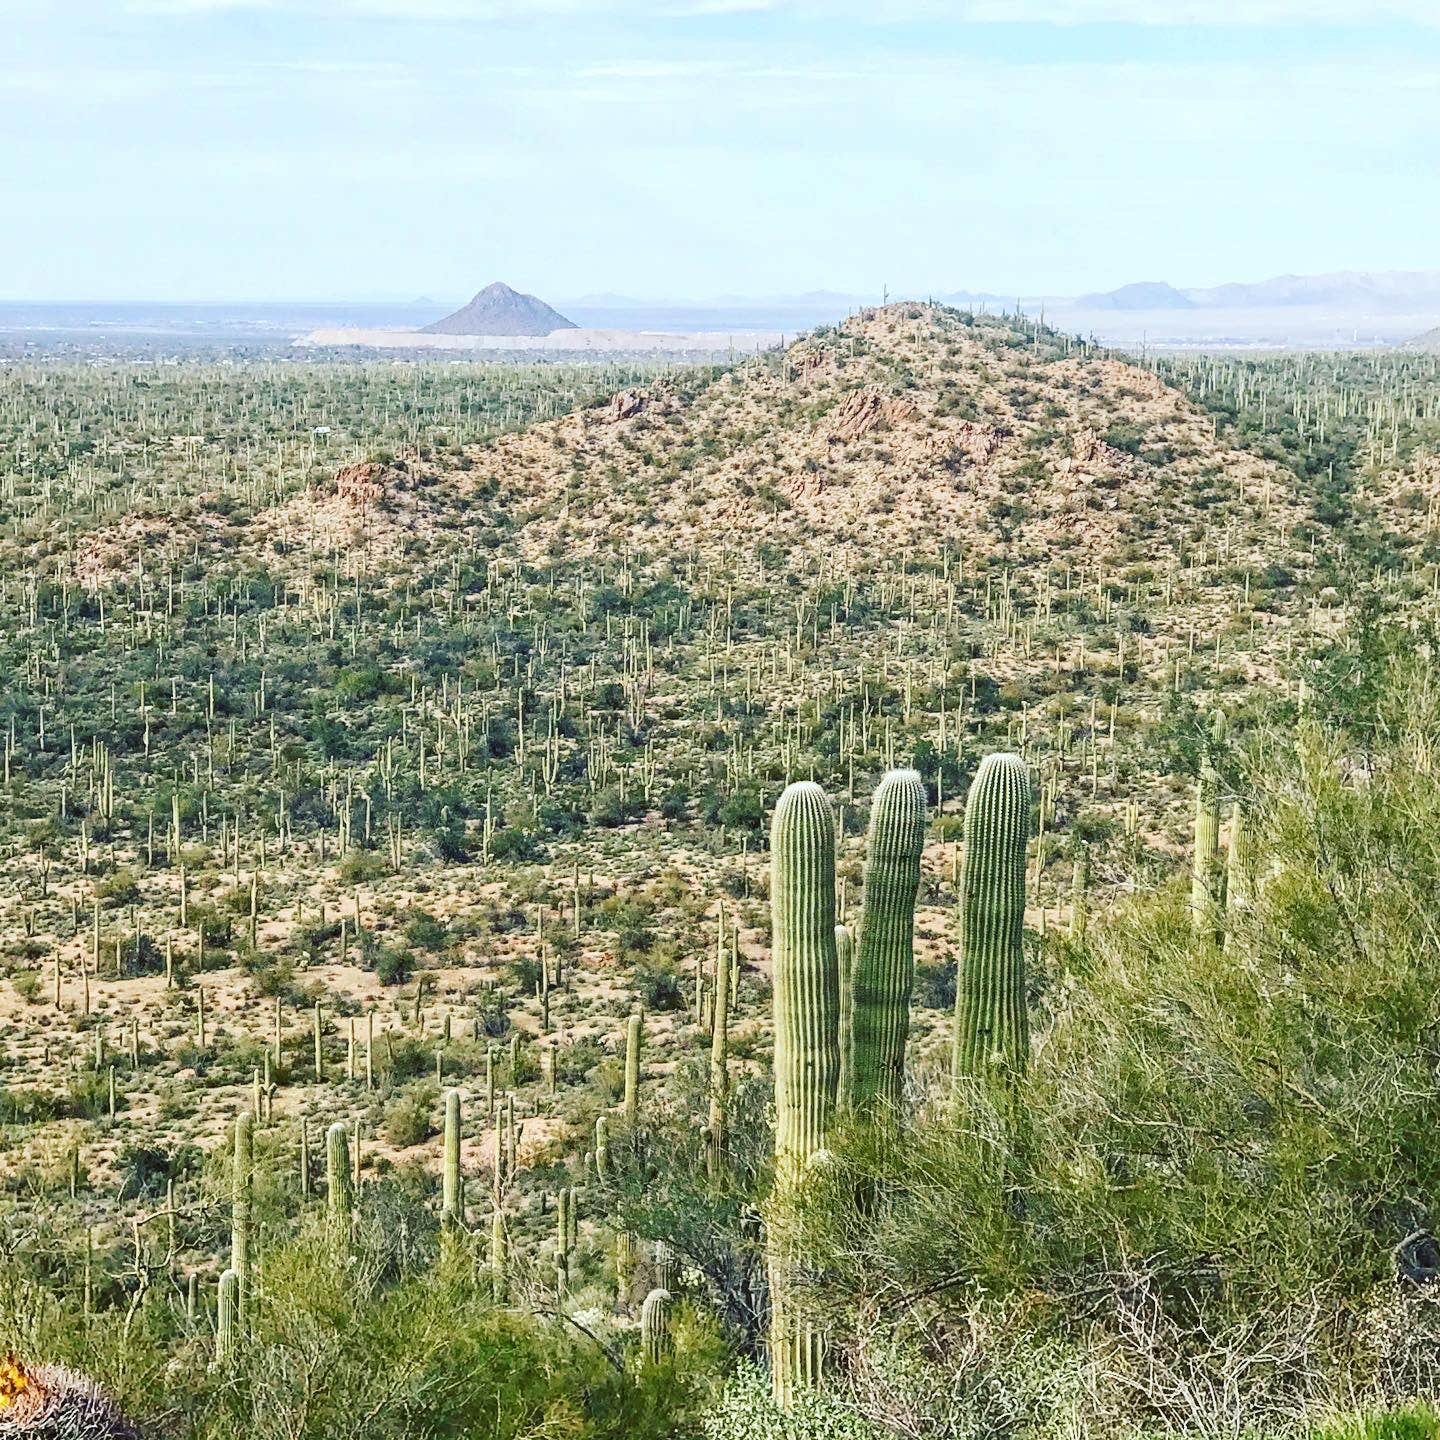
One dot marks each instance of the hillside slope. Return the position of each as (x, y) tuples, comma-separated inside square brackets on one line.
[(912, 426), (1429, 341)]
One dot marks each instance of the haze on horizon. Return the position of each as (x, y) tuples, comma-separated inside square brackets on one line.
[(346, 149)]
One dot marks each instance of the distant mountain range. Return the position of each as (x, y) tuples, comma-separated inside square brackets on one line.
[(1394, 290), (1370, 292)]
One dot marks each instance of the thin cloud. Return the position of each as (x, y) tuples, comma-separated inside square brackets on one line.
[(1207, 13), (1200, 12)]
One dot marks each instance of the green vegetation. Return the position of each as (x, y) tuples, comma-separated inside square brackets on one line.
[(428, 1004)]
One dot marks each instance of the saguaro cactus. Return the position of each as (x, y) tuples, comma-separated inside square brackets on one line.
[(884, 970), (227, 1305), (602, 1147), (241, 1210), (340, 1193), (451, 1202), (806, 990), (634, 1031), (564, 1198), (719, 1067), (655, 1326), (991, 1024), (450, 1179), (806, 987)]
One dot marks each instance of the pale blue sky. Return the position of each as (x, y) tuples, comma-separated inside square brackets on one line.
[(194, 149)]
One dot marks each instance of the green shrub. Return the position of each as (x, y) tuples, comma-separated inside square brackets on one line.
[(1411, 1422), (745, 1411), (393, 964), (409, 1118)]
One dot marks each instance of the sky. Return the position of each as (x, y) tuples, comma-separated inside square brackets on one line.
[(384, 149)]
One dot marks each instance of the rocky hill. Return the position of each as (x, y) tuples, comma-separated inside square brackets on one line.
[(909, 432), (499, 310)]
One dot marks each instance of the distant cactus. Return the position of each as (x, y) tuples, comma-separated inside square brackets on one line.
[(241, 1210), (624, 1263), (634, 1032), (451, 1200), (602, 1147), (991, 1024), (719, 1068), (563, 1200), (655, 1326), (340, 1190), (884, 970)]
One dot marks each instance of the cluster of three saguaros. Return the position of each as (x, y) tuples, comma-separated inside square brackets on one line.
[(842, 1004)]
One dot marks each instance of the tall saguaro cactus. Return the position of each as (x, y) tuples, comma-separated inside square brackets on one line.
[(719, 1068), (884, 970), (340, 1193), (634, 1030), (241, 1211), (991, 1024), (806, 990), (806, 985), (451, 1202)]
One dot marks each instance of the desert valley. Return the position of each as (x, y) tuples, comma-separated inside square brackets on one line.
[(391, 767)]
